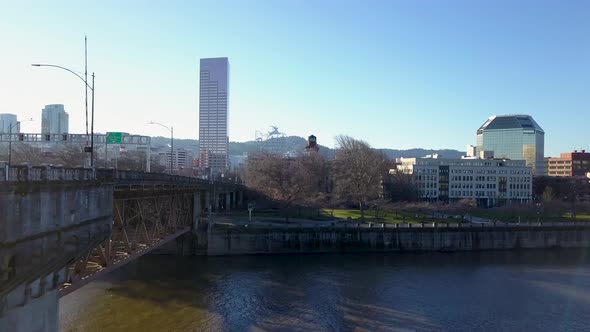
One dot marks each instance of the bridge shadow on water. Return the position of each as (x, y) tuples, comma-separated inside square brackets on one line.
[(366, 292)]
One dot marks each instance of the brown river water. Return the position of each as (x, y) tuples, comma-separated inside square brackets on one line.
[(537, 290)]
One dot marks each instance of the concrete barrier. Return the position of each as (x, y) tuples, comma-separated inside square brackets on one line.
[(452, 237)]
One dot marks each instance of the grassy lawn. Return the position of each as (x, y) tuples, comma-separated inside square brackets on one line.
[(384, 216), (580, 217), (525, 216), (345, 214), (504, 215)]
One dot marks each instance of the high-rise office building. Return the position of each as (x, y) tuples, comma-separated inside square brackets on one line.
[(54, 120), (213, 114), (516, 137), (8, 121)]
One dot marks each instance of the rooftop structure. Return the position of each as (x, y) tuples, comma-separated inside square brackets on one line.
[(516, 137)]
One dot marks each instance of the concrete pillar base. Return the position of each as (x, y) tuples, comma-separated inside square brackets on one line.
[(39, 315)]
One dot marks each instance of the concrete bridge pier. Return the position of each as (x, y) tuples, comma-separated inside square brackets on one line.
[(38, 314), (33, 306)]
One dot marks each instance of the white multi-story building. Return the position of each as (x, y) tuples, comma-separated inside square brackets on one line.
[(54, 120), (182, 159), (213, 114), (8, 121), (490, 182)]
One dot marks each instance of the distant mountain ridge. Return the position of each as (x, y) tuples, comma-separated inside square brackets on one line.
[(297, 144)]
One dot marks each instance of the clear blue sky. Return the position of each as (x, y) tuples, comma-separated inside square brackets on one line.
[(398, 74)]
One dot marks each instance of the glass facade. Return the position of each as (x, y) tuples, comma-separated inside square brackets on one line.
[(213, 113), (516, 137)]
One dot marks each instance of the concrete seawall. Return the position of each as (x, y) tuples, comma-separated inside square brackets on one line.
[(274, 240)]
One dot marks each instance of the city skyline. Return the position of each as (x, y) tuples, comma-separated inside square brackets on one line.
[(424, 74)]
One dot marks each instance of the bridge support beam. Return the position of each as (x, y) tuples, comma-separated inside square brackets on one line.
[(197, 208), (228, 201)]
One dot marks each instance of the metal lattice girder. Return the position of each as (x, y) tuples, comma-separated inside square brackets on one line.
[(142, 221)]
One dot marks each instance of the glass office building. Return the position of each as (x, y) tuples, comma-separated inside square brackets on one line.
[(516, 137), (213, 114)]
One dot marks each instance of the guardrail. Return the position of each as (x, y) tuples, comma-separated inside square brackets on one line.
[(44, 173), (138, 177), (26, 173)]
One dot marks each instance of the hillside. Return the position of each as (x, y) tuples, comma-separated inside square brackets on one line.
[(296, 143)]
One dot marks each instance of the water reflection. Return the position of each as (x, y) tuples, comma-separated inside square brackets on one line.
[(528, 290)]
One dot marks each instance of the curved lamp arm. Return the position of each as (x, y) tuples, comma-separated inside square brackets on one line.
[(64, 68), (159, 124)]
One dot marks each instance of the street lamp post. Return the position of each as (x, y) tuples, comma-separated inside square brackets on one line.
[(171, 130), (91, 150)]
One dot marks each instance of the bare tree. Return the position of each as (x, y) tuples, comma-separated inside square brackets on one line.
[(71, 156), (132, 160), (24, 152), (548, 194), (401, 187), (289, 181), (359, 171)]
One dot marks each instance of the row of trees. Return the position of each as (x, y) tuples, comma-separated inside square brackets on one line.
[(356, 177), (74, 156)]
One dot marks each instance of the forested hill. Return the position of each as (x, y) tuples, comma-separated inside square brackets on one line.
[(296, 144)]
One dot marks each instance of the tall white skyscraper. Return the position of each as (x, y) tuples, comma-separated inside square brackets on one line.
[(54, 120), (7, 121), (213, 114)]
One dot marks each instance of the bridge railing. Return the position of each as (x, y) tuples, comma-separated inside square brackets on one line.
[(124, 177), (18, 173)]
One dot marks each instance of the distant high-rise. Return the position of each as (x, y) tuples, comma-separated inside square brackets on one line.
[(7, 121), (54, 120), (516, 137), (213, 114)]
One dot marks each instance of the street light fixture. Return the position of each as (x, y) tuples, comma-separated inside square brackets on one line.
[(91, 150), (171, 130), (87, 86)]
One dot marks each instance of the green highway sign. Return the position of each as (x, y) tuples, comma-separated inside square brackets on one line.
[(114, 138)]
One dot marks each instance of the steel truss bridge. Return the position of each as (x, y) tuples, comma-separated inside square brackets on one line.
[(62, 228)]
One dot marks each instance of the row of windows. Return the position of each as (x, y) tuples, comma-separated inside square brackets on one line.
[(461, 185), (520, 186), (427, 170), (427, 185), (427, 177), (429, 193), (485, 193), (519, 179), (519, 194), (560, 173)]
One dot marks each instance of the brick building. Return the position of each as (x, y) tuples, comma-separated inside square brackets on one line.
[(575, 163)]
